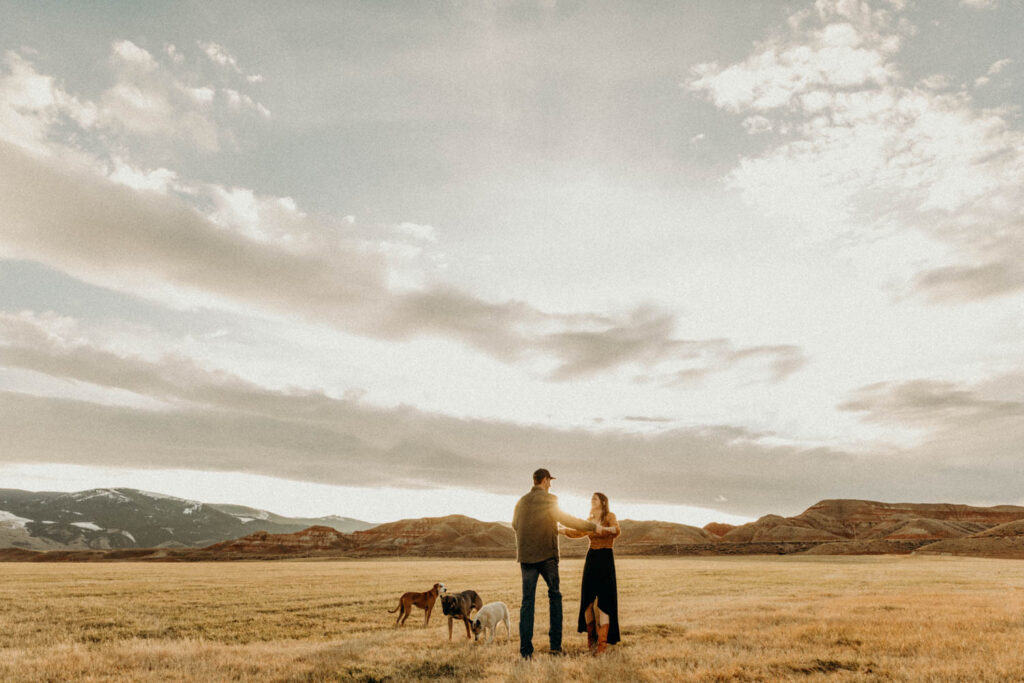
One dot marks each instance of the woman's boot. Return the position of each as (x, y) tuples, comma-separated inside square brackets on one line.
[(602, 638), (591, 636)]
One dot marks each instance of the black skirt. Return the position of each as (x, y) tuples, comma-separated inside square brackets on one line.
[(599, 584)]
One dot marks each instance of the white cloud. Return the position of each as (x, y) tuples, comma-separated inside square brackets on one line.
[(158, 180), (218, 54), (161, 103), (757, 124), (174, 54), (936, 82), (858, 150), (31, 104), (999, 66), (996, 67), (129, 52), (239, 100), (272, 220), (150, 101), (837, 56), (203, 95), (146, 99), (422, 233)]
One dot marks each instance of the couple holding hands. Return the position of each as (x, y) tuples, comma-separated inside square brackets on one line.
[(536, 522)]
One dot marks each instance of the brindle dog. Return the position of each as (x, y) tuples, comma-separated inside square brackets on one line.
[(459, 606), (424, 601)]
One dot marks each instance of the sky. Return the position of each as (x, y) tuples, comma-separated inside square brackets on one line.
[(716, 259)]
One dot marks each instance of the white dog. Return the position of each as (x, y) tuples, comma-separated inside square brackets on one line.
[(488, 618)]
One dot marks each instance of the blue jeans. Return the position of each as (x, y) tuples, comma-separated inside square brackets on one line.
[(549, 570)]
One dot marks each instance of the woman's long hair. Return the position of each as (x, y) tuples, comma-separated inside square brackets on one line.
[(604, 506)]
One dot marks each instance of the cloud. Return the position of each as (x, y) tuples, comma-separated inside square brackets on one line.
[(32, 103), (265, 253), (757, 124), (177, 240), (423, 233), (158, 101), (974, 431), (158, 180), (992, 71), (148, 101), (839, 55), (967, 283), (219, 55), (931, 403), (174, 54), (130, 53), (784, 359), (215, 421), (856, 150), (646, 338)]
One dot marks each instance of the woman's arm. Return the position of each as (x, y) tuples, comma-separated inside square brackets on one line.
[(612, 529)]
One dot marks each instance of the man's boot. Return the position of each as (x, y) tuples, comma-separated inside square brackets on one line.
[(591, 636), (602, 638)]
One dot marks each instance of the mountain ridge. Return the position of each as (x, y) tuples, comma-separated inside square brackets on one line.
[(832, 526), (121, 518)]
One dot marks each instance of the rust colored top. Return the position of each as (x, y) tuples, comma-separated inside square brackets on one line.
[(599, 541)]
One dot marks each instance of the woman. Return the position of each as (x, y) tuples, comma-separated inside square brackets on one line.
[(599, 609)]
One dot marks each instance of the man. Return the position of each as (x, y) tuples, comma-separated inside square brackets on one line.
[(536, 525)]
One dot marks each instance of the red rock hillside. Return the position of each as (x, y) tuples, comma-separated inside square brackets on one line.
[(864, 520), (312, 540), (718, 529), (831, 527), (455, 535), (1005, 540)]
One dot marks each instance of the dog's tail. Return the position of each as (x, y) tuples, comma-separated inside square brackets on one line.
[(392, 611)]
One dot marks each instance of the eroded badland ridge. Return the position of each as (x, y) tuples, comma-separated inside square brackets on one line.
[(831, 527)]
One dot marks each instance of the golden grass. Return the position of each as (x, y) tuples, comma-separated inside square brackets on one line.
[(702, 619)]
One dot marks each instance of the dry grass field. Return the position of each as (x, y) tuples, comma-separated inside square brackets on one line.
[(753, 618)]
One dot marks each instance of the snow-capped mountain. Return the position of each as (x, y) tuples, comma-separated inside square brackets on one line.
[(128, 518)]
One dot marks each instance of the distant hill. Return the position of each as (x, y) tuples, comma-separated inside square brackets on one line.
[(865, 520), (113, 518), (315, 539), (454, 535), (1005, 540), (718, 529), (831, 527), (451, 536)]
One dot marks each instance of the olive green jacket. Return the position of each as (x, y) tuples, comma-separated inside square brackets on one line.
[(536, 524)]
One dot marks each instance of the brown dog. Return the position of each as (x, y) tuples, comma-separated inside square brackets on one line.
[(424, 601), (459, 606)]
